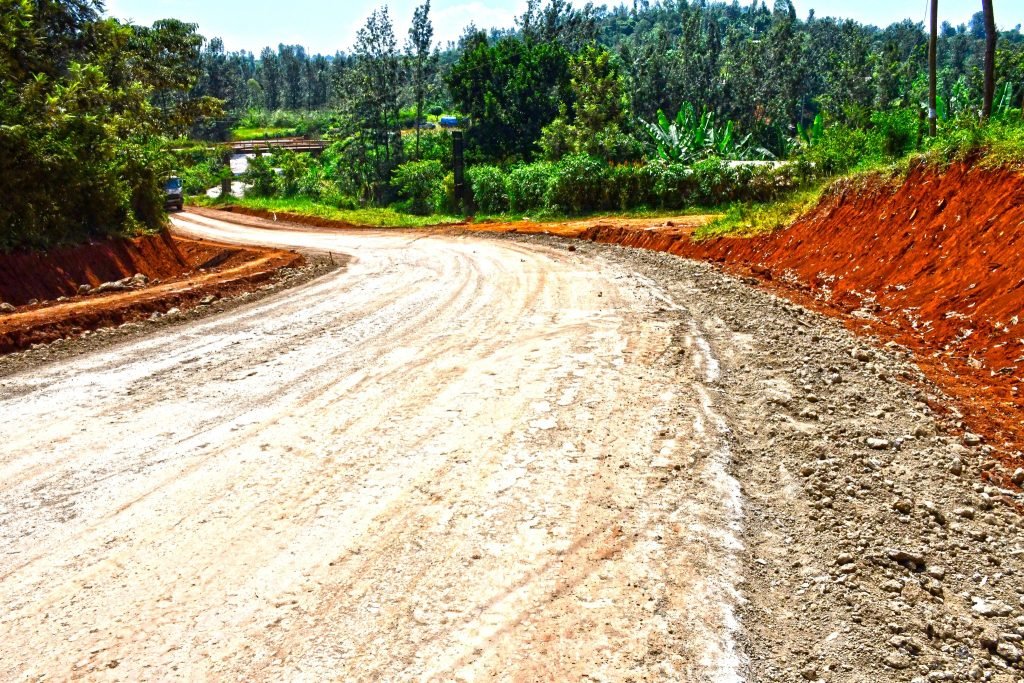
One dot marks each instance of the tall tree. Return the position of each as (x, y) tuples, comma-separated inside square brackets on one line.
[(600, 111), (510, 90), (377, 98), (990, 58), (421, 34), (933, 46), (85, 116)]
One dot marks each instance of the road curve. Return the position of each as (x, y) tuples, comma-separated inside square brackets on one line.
[(456, 459)]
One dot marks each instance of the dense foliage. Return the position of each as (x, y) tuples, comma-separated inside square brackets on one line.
[(85, 103), (580, 109), (662, 105)]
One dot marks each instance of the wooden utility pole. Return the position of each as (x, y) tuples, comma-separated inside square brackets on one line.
[(990, 59), (459, 169), (933, 44)]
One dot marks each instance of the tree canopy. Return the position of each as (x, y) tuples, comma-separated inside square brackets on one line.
[(85, 103)]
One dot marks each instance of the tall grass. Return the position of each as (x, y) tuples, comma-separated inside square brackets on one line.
[(371, 217)]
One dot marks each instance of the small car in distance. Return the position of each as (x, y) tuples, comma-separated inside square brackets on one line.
[(174, 190)]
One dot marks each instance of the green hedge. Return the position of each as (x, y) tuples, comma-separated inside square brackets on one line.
[(580, 184)]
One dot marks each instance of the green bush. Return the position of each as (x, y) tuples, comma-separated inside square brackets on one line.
[(768, 183), (578, 184), (292, 169), (528, 185), (421, 184), (962, 138), (897, 131), (488, 186), (674, 185), (260, 177), (449, 202), (313, 183), (632, 186), (433, 146), (839, 150)]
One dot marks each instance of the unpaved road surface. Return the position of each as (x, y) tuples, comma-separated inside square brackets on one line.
[(454, 459), (464, 458)]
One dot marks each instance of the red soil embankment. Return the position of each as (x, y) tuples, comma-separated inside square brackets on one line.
[(935, 263), (182, 273), (48, 275)]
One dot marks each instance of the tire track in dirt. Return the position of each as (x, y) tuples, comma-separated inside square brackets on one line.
[(457, 459)]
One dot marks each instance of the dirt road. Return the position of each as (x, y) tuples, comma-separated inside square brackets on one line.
[(457, 459), (464, 458)]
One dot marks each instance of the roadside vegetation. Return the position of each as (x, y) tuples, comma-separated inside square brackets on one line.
[(656, 108), (368, 217), (667, 107), (87, 105)]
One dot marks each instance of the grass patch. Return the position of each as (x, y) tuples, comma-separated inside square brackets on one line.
[(546, 216), (243, 133), (371, 218), (747, 220), (391, 218)]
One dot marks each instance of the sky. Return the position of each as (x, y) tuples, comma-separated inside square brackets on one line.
[(327, 26)]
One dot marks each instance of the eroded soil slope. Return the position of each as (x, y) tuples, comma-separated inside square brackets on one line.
[(934, 263), (175, 272)]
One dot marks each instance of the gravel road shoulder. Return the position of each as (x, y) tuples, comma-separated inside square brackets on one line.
[(104, 337), (873, 551)]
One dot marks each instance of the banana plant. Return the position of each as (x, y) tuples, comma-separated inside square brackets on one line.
[(692, 136), (812, 134), (1005, 100)]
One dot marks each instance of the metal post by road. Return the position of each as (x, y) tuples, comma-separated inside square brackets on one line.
[(459, 169)]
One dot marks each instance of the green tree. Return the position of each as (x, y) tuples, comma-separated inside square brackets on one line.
[(421, 33), (377, 89), (596, 123), (510, 90), (86, 104)]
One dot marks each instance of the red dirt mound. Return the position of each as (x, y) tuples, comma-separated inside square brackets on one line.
[(934, 263), (184, 271), (48, 275)]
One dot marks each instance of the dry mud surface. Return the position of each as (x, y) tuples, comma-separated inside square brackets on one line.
[(467, 459)]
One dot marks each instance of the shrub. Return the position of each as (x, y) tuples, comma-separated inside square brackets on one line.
[(577, 184), (839, 150), (897, 131), (715, 182), (261, 177), (312, 183), (449, 202), (631, 186), (528, 185), (420, 183), (433, 146), (488, 186), (197, 179), (674, 185), (768, 183), (292, 168)]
